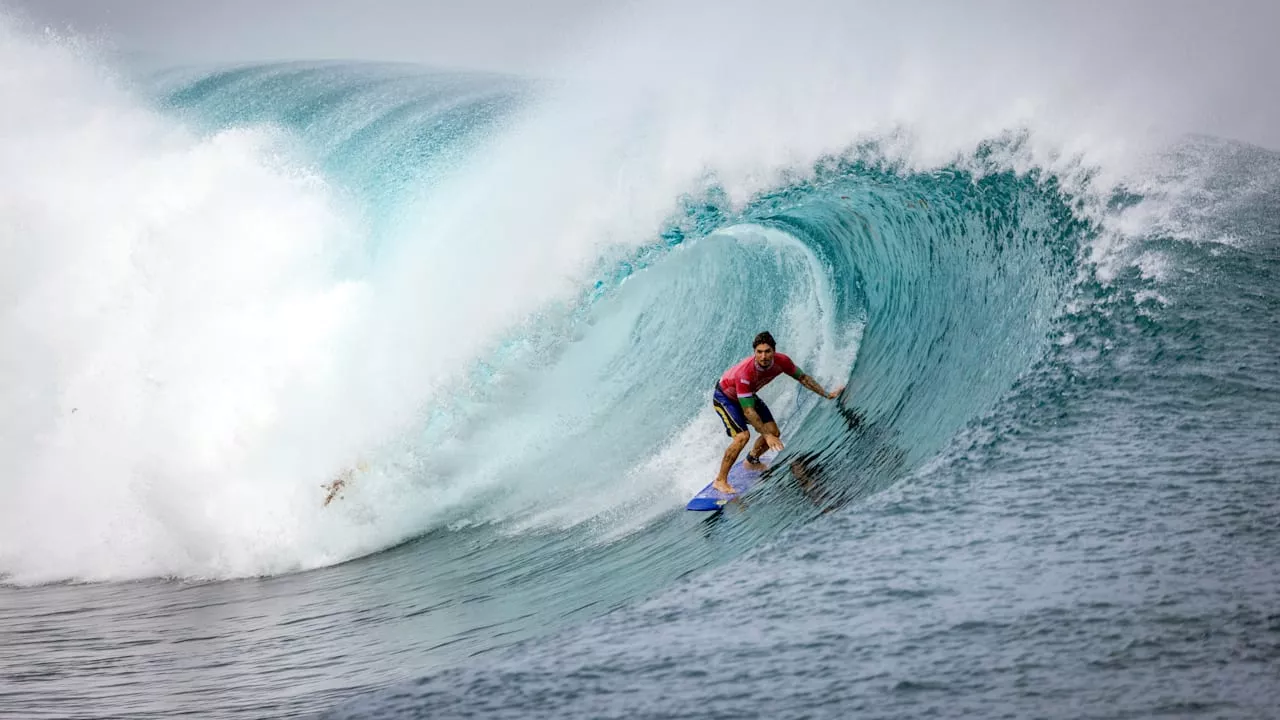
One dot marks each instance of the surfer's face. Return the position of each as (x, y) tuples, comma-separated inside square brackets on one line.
[(764, 355)]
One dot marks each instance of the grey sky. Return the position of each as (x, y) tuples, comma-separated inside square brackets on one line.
[(1213, 64), (481, 34)]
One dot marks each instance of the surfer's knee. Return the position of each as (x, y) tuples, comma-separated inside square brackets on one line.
[(742, 437)]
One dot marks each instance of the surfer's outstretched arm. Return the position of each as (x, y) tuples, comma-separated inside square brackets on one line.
[(811, 384)]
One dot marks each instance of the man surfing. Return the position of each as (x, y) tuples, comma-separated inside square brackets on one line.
[(736, 403)]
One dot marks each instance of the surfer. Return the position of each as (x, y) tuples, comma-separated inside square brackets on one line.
[(736, 403), (340, 481)]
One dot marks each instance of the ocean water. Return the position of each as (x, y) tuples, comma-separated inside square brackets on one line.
[(492, 309)]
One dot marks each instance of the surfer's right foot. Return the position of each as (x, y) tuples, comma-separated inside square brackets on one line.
[(725, 488)]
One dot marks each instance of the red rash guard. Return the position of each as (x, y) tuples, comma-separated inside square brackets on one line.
[(741, 381)]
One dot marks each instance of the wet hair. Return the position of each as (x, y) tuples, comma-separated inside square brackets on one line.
[(765, 338)]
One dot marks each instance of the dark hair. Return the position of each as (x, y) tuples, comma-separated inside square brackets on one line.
[(765, 338)]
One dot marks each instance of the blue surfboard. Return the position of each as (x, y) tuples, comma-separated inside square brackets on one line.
[(708, 498)]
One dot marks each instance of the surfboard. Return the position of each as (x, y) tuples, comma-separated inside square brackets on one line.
[(708, 498)]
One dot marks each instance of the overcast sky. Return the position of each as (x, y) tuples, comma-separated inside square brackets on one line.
[(1220, 58), (497, 35)]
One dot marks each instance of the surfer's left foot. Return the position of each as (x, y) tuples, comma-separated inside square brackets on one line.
[(727, 489)]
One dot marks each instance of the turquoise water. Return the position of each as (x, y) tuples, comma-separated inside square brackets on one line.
[(1046, 492)]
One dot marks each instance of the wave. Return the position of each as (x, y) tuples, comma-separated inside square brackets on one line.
[(449, 292)]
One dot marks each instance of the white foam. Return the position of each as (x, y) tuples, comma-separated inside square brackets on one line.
[(1155, 266), (1142, 296), (172, 319)]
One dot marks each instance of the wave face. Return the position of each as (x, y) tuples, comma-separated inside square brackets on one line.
[(453, 295)]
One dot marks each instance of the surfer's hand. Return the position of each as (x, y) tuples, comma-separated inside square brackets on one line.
[(774, 442), (835, 393)]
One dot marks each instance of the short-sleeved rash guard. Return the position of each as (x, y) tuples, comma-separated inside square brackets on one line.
[(741, 381)]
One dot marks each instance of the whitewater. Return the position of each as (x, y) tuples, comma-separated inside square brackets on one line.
[(490, 307)]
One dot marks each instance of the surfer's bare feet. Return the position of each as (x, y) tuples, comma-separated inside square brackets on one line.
[(724, 487), (754, 466)]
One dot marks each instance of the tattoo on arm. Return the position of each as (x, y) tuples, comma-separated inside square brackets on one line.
[(814, 386)]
